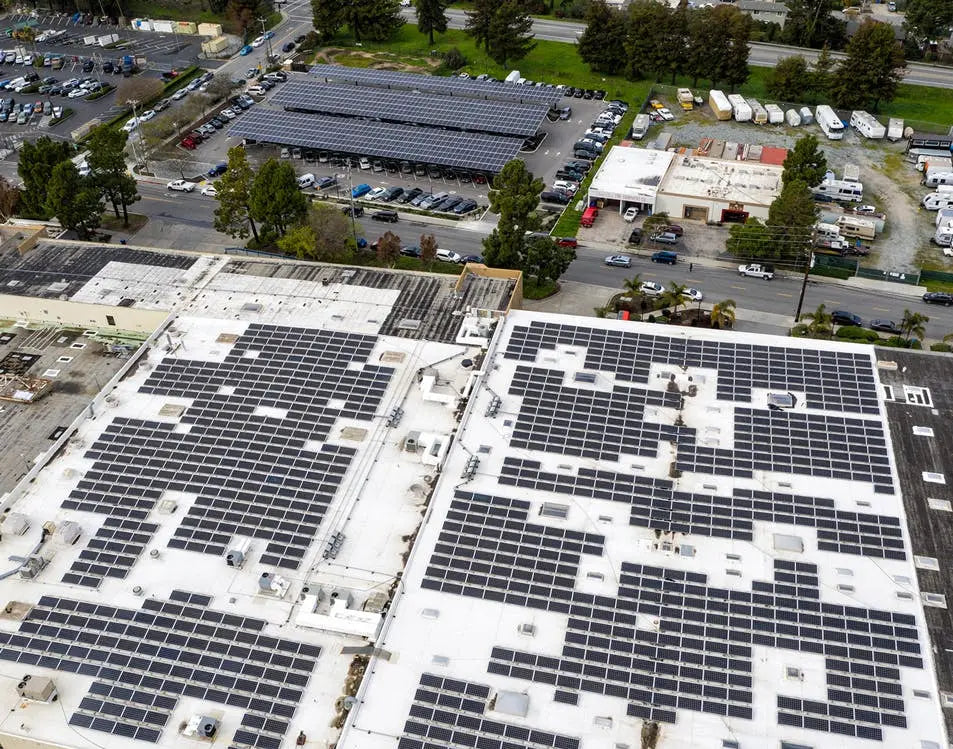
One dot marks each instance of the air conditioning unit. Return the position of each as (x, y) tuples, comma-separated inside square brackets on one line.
[(37, 688), (201, 727), (237, 552)]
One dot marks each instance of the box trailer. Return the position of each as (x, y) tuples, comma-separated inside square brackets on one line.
[(807, 117), (740, 108), (775, 114), (719, 104), (829, 122), (867, 125), (852, 226), (894, 129), (759, 115), (641, 126), (792, 117)]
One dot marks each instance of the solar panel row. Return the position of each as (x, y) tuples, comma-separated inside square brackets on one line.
[(436, 84), (402, 142), (504, 118)]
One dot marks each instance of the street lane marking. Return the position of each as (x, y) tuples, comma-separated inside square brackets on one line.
[(742, 288), (789, 296)]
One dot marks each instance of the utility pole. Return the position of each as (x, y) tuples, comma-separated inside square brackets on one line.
[(142, 143), (268, 50), (807, 271)]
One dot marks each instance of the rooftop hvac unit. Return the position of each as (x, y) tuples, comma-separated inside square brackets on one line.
[(237, 552), (412, 442), (201, 727), (68, 532), (37, 688), (272, 584), (32, 566), (16, 524)]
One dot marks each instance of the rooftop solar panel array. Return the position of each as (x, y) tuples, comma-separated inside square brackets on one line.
[(402, 142), (437, 84), (504, 118)]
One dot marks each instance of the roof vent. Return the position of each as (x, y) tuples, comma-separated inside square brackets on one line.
[(201, 727), (237, 552), (68, 532), (528, 629)]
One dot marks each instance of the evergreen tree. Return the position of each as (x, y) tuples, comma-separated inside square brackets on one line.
[(805, 162), (35, 166), (479, 19), (107, 165), (388, 249), (750, 240), (545, 260), (233, 215), (822, 75), (646, 23), (274, 199), (810, 23), (734, 65), (334, 240), (515, 196), (328, 17), (431, 17), (74, 200), (702, 47), (789, 80), (791, 219), (873, 69), (676, 40), (511, 33), (602, 44), (373, 20)]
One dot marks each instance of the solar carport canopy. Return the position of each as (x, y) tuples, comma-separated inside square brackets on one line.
[(437, 84), (473, 151), (458, 113)]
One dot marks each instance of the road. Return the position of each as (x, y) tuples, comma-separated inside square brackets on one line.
[(762, 55)]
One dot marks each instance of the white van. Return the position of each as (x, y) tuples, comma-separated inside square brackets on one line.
[(449, 256), (305, 181)]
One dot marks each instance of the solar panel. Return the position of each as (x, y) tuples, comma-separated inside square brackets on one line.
[(437, 85), (402, 142), (496, 117)]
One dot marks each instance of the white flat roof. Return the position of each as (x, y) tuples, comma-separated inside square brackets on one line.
[(630, 174), (747, 182), (625, 532)]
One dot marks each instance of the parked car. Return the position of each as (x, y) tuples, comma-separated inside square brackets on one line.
[(246, 50), (447, 203), (181, 185), (465, 206), (325, 182), (651, 288), (472, 259), (210, 191), (620, 261), (391, 193), (885, 326), (550, 196), (359, 191), (675, 229), (449, 256), (938, 297), (664, 237), (636, 236), (567, 241), (843, 317), (410, 195), (694, 294), (288, 47), (630, 214), (388, 216), (376, 193)]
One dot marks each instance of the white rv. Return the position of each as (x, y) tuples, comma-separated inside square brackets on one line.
[(934, 176), (759, 115), (867, 125), (937, 200), (792, 117), (829, 122), (944, 234), (641, 126), (894, 129), (840, 190), (806, 117), (775, 114), (852, 226), (944, 215), (740, 108)]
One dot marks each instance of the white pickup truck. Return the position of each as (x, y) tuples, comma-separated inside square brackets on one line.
[(757, 270)]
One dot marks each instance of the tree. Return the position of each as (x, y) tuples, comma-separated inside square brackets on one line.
[(138, 89), (428, 249), (655, 221), (233, 215), (602, 44), (722, 314), (299, 241), (334, 240), (515, 196), (74, 200), (703, 46), (546, 261), (752, 239), (810, 24), (928, 20), (821, 323), (873, 69), (479, 19), (274, 199), (734, 66), (328, 17), (633, 286), (789, 80), (791, 219), (646, 22), (388, 249), (805, 162), (511, 33), (107, 165), (374, 20), (35, 166), (913, 325), (9, 199), (219, 87), (822, 75), (431, 17)]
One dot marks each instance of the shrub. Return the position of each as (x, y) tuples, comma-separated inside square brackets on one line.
[(454, 59), (944, 347), (858, 334)]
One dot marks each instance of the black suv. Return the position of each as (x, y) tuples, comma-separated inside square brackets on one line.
[(938, 297), (843, 317)]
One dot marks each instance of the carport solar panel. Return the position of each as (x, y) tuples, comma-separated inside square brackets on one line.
[(479, 115), (437, 84), (403, 142)]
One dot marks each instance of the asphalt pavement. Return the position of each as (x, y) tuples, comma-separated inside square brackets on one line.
[(762, 55)]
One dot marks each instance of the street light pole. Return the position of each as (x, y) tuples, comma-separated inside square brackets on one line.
[(142, 143)]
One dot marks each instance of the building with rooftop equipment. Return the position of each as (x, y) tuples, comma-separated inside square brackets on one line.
[(315, 505)]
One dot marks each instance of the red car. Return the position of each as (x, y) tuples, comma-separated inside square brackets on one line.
[(567, 241), (673, 229), (188, 143)]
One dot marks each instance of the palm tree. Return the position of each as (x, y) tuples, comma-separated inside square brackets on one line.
[(913, 325), (723, 314), (820, 324), (675, 296), (633, 285)]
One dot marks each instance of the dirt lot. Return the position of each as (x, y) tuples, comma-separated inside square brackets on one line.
[(890, 183)]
